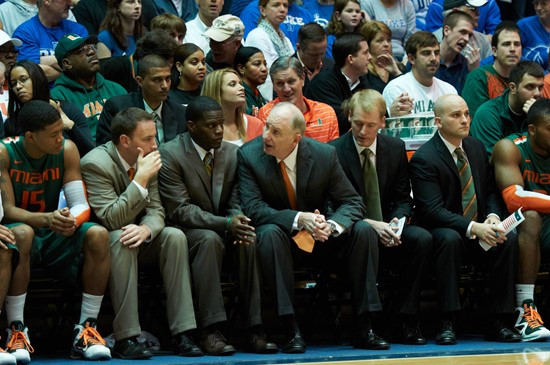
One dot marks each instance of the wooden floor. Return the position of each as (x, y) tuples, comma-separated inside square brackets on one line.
[(533, 358)]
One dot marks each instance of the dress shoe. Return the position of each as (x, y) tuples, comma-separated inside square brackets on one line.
[(184, 346), (410, 335), (215, 344), (500, 333), (295, 345), (131, 349), (371, 341), (258, 343), (446, 336)]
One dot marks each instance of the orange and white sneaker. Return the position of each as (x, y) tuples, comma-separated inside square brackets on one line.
[(88, 343), (18, 344), (529, 324), (7, 358)]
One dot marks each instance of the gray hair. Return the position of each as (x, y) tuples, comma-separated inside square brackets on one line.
[(297, 120), (284, 63)]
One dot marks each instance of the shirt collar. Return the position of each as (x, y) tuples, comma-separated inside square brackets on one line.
[(201, 151), (150, 110), (290, 160), (360, 149), (352, 85), (125, 164), (451, 147)]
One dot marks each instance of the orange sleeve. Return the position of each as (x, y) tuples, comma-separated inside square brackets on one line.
[(515, 197)]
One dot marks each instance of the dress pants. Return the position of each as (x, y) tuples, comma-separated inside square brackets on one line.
[(206, 250), (412, 260), (358, 249), (169, 251), (500, 262)]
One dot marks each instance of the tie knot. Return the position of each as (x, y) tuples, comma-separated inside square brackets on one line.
[(459, 153), (208, 158), (367, 153)]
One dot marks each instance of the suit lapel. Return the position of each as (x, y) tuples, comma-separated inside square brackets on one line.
[(445, 155), (195, 160), (274, 176), (121, 174), (354, 163), (218, 175), (304, 164), (170, 129)]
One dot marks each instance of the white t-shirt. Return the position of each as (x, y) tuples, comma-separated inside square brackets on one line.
[(195, 34), (424, 97)]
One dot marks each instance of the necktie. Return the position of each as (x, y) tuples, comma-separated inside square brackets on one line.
[(469, 199), (208, 163), (131, 172), (372, 191), (158, 125), (289, 189)]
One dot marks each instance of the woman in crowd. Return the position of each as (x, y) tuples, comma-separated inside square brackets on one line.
[(225, 87), (28, 82), (267, 36), (382, 67), (190, 64), (252, 67), (401, 16), (121, 29), (347, 17)]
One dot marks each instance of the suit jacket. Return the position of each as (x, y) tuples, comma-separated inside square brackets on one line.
[(391, 168), (191, 199), (115, 200), (436, 184), (319, 181), (173, 116), (189, 8)]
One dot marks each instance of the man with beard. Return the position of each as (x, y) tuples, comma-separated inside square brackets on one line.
[(505, 115), (41, 33), (457, 31), (154, 79), (420, 84), (81, 83)]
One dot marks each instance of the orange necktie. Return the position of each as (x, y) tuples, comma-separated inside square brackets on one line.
[(289, 189), (131, 172)]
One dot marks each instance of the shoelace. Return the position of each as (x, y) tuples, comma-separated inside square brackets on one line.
[(532, 316), (90, 335), (19, 341)]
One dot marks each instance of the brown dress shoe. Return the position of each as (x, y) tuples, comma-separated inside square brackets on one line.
[(215, 344), (258, 344)]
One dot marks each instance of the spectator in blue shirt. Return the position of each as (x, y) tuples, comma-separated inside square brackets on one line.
[(534, 34)]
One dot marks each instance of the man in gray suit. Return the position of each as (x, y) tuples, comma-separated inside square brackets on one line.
[(198, 186), (121, 178)]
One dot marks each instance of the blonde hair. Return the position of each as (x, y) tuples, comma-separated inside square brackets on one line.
[(368, 100), (212, 87)]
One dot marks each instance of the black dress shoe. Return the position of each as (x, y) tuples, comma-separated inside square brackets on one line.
[(410, 335), (216, 345), (184, 346), (371, 341), (501, 333), (258, 343), (131, 349), (295, 345), (446, 336)]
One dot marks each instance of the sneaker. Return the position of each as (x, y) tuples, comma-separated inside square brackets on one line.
[(88, 343), (18, 344), (529, 323), (7, 358)]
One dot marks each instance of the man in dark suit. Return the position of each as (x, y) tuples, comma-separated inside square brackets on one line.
[(383, 183), (153, 78), (198, 185), (287, 182), (121, 179), (455, 197)]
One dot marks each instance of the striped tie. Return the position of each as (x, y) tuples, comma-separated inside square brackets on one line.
[(208, 163), (469, 199)]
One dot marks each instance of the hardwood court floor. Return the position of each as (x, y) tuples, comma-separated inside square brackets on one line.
[(533, 358)]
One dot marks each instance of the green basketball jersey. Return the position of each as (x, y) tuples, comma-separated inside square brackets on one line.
[(534, 168), (36, 182)]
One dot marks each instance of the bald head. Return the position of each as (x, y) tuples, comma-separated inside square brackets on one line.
[(284, 128), (452, 118), (290, 113)]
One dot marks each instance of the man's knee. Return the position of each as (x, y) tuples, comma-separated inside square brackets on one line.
[(447, 238), (363, 230), (532, 224), (270, 238), (96, 240), (174, 239), (24, 236)]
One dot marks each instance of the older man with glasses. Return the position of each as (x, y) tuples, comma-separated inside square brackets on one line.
[(535, 33)]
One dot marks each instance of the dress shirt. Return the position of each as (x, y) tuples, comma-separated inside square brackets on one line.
[(360, 149), (158, 111), (201, 151), (352, 84)]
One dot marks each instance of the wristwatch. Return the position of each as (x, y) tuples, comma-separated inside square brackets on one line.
[(333, 229)]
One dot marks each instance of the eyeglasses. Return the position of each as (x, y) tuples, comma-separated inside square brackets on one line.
[(85, 49)]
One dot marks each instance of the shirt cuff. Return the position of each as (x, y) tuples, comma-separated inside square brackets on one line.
[(339, 228), (150, 233), (469, 231), (493, 215), (144, 192), (295, 223)]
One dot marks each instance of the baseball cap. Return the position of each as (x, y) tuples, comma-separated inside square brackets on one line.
[(69, 43), (224, 27), (451, 4), (5, 38)]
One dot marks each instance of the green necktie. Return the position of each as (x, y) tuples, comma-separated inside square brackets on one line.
[(160, 130), (469, 199), (208, 163), (372, 192)]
